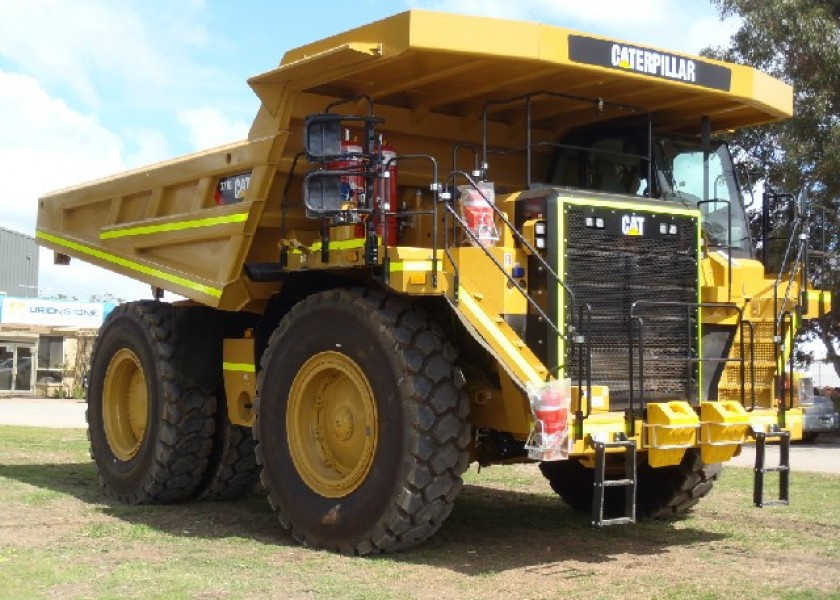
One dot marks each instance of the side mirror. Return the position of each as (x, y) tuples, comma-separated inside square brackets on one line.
[(803, 202), (322, 193), (322, 137)]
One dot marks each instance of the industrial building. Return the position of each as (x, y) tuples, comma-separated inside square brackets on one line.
[(45, 344)]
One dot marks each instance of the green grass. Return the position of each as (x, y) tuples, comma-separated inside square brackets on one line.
[(508, 537)]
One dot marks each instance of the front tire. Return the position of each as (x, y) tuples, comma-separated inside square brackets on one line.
[(661, 493), (361, 431)]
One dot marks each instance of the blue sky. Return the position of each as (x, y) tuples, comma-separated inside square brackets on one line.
[(89, 88)]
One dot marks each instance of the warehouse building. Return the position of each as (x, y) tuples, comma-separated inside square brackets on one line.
[(45, 344)]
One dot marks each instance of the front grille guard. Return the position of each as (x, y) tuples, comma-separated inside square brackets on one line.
[(636, 325)]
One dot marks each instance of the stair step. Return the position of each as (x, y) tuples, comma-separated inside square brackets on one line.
[(759, 364), (618, 482), (618, 521), (600, 482)]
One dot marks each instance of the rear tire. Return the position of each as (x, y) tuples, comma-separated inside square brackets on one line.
[(232, 469), (149, 437), (361, 431)]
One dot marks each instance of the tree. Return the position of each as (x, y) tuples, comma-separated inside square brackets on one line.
[(798, 41), (107, 298)]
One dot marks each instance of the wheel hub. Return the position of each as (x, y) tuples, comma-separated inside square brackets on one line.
[(125, 404), (343, 424), (331, 423)]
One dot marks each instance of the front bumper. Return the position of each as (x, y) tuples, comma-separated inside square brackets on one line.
[(718, 429)]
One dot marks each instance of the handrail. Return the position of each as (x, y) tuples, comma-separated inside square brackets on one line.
[(787, 317), (599, 103), (496, 262), (636, 319), (728, 245), (516, 234), (435, 188), (581, 343), (585, 317)]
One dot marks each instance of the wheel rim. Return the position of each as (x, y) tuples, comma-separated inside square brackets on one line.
[(125, 406), (331, 423)]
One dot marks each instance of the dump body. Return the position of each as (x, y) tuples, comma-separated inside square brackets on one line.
[(506, 241)]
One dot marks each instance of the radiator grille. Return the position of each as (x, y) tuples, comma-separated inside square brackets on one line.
[(610, 271)]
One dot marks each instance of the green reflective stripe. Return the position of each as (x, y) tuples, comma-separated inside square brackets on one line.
[(692, 212), (410, 266), (560, 244), (175, 226), (128, 264), (243, 367)]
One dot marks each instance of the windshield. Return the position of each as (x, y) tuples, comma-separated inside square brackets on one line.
[(682, 166)]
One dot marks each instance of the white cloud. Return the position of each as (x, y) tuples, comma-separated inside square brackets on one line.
[(208, 127), (148, 146), (45, 145), (71, 44)]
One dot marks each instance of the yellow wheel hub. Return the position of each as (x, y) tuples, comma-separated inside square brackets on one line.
[(125, 404), (331, 424)]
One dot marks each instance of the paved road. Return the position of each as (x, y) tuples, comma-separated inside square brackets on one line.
[(42, 412), (821, 457)]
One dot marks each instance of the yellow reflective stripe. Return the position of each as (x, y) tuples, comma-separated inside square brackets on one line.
[(243, 367), (174, 226), (692, 212), (411, 266), (128, 264), (466, 299), (336, 245)]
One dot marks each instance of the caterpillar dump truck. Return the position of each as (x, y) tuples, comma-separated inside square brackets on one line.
[(445, 240)]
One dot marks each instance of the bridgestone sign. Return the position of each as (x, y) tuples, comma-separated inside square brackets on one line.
[(52, 313)]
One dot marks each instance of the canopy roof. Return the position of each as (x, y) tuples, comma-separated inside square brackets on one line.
[(432, 62)]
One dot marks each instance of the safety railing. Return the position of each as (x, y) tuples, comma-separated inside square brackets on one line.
[(636, 326)]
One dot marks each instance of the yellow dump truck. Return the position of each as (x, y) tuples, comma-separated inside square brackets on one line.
[(446, 240)]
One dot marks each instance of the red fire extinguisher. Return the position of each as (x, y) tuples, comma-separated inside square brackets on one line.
[(352, 186), (385, 193)]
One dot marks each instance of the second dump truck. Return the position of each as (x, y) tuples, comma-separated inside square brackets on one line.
[(445, 240)]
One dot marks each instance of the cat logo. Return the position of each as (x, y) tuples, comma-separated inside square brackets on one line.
[(632, 225)]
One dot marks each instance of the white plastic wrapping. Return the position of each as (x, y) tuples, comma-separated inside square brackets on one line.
[(550, 405)]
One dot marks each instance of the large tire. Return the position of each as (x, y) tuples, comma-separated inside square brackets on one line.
[(149, 436), (670, 492), (662, 493), (361, 431), (232, 471)]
